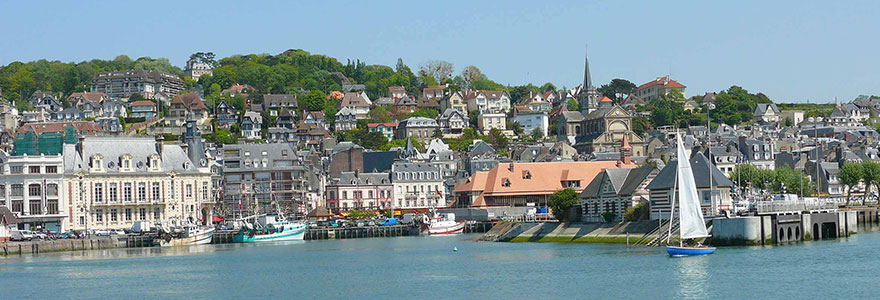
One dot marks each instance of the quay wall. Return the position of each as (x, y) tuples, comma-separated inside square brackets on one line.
[(36, 247), (569, 232)]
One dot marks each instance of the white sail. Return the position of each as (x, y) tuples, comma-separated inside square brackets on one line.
[(690, 213)]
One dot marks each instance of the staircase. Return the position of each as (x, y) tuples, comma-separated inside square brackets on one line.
[(659, 233), (663, 234)]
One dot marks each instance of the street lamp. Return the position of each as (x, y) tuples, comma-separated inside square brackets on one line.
[(709, 107)]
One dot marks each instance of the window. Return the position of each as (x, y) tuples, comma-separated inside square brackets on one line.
[(142, 213), (82, 220), (2, 191), (17, 190), (156, 214), (99, 192), (113, 188), (36, 207), (52, 206), (113, 216), (370, 194), (128, 214), (142, 191), (156, 191), (34, 190), (189, 190), (34, 170), (51, 189), (205, 191), (344, 195), (15, 169), (51, 169), (126, 191), (99, 215)]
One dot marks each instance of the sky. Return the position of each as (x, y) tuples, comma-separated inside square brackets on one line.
[(792, 51)]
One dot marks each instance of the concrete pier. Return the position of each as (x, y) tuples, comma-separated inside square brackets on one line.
[(783, 228), (36, 247)]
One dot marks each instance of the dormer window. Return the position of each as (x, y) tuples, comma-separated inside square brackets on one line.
[(97, 163), (527, 174), (505, 182)]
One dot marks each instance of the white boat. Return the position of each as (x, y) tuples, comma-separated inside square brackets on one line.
[(270, 228), (691, 223), (186, 236), (444, 224)]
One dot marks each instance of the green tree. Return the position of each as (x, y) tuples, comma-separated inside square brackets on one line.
[(537, 134), (424, 113), (637, 213), (617, 89), (314, 100), (497, 139), (380, 114), (561, 201), (870, 176), (573, 105), (850, 175)]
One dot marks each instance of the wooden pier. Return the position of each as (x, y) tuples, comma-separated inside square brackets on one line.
[(382, 231)]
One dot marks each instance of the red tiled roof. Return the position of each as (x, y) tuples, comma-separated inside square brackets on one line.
[(142, 103), (89, 96), (51, 127), (191, 101), (374, 125), (605, 99), (665, 81)]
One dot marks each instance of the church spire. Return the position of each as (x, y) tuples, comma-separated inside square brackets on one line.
[(588, 82)]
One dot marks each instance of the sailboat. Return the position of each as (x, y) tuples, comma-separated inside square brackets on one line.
[(692, 225)]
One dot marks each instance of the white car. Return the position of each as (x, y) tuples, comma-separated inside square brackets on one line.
[(117, 232), (101, 232), (21, 235)]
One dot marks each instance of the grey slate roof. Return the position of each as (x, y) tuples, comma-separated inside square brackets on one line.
[(699, 164), (348, 178), (113, 148), (624, 181)]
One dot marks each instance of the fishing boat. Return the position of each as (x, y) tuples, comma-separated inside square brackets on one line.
[(270, 228), (186, 235), (443, 224), (691, 223)]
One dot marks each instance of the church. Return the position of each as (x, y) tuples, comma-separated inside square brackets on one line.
[(600, 125)]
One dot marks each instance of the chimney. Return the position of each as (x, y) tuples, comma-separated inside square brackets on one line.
[(510, 167), (160, 145), (185, 149), (81, 146)]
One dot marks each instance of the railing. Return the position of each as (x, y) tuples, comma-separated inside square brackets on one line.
[(795, 206)]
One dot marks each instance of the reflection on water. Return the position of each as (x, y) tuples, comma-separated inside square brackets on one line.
[(693, 276)]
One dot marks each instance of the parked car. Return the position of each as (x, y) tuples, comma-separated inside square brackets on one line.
[(101, 232), (117, 232), (21, 235), (40, 235)]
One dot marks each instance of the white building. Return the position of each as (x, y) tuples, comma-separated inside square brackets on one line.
[(30, 186), (417, 185), (113, 182), (488, 121), (531, 120), (488, 101)]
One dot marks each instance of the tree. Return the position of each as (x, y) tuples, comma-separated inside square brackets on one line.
[(425, 113), (314, 100), (437, 133), (470, 74), (637, 213), (497, 139), (438, 69), (548, 87), (617, 89), (368, 140), (380, 114), (573, 105), (537, 134), (850, 175), (870, 176), (561, 201)]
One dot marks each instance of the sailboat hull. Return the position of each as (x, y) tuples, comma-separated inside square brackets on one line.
[(689, 251)]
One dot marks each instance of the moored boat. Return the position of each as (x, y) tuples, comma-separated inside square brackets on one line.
[(270, 228), (186, 236), (444, 224)]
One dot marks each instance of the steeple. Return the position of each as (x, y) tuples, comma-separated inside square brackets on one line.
[(588, 93)]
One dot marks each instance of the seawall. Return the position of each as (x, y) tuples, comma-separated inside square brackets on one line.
[(569, 232)]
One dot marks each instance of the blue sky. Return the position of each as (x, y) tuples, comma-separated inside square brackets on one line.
[(793, 51)]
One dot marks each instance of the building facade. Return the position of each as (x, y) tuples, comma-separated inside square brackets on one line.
[(359, 191), (112, 182), (121, 84), (30, 187), (417, 185), (263, 178)]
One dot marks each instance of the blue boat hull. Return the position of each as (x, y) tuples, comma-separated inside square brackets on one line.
[(688, 251)]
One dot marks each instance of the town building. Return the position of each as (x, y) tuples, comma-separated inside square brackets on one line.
[(434, 92), (251, 125), (46, 101), (452, 122), (759, 153), (30, 187), (454, 100), (263, 178), (346, 119), (386, 129), (188, 105), (418, 128), (360, 191), (143, 109), (615, 190), (196, 69), (528, 184), (238, 89), (532, 120), (487, 101), (396, 92), (658, 87), (849, 115), (488, 121), (359, 103), (766, 112), (604, 130), (121, 84), (112, 182), (274, 103), (417, 185), (712, 203)]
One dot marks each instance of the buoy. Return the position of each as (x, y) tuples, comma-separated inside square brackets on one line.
[(454, 249)]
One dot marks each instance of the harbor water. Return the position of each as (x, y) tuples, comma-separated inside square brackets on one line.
[(428, 268)]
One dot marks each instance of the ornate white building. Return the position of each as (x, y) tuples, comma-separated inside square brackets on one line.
[(30, 188), (111, 182)]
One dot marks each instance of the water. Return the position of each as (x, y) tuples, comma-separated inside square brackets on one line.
[(427, 268)]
